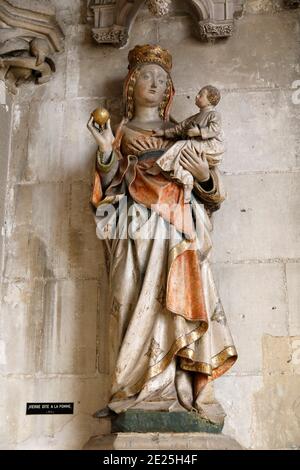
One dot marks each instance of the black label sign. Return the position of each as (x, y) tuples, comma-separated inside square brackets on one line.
[(49, 408)]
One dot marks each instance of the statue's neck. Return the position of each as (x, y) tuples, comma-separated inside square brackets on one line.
[(143, 114)]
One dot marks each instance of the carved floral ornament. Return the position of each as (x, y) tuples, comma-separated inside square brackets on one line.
[(113, 19), (28, 40), (158, 7)]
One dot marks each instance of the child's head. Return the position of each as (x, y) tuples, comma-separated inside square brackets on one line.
[(208, 96)]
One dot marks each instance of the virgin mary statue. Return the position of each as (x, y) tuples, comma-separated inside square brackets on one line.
[(172, 334)]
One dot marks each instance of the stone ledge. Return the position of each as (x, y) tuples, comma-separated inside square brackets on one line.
[(162, 441)]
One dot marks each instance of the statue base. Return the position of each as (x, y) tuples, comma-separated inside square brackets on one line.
[(162, 441), (140, 421), (138, 429)]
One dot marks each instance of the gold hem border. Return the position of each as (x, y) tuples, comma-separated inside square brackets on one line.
[(222, 356), (220, 363), (156, 369), (202, 367)]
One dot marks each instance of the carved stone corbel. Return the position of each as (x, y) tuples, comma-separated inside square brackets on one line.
[(28, 39), (113, 19), (213, 18)]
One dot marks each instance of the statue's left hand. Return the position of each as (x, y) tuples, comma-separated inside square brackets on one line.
[(196, 164)]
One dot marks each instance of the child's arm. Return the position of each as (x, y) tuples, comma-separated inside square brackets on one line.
[(168, 133), (194, 131), (179, 130)]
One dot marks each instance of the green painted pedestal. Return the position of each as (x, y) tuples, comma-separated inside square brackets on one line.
[(162, 422)]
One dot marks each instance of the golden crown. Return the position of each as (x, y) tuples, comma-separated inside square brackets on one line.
[(148, 54)]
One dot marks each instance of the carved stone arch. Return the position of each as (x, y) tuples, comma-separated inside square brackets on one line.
[(200, 10), (126, 12), (113, 19)]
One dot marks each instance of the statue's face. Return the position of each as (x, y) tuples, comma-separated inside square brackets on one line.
[(150, 85), (201, 99)]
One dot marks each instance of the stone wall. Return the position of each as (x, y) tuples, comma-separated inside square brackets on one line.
[(53, 322), (5, 130)]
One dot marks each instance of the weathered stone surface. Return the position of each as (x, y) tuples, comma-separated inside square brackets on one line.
[(70, 12), (263, 6), (176, 29), (268, 404), (277, 405), (43, 6), (222, 63), (236, 395), (78, 153), (45, 160), (105, 80), (50, 327), (37, 237), (101, 81), (22, 325), (277, 413), (277, 355), (281, 355), (38, 142), (55, 150), (258, 309), (19, 142), (86, 254), (263, 224), (5, 130), (70, 332), (163, 441), (161, 422), (293, 289), (18, 431), (250, 143)]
